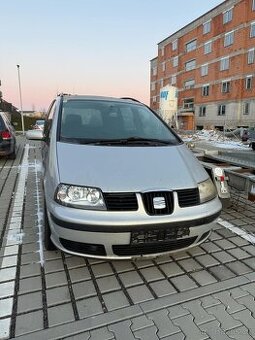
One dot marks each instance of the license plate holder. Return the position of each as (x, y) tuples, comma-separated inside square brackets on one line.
[(158, 235)]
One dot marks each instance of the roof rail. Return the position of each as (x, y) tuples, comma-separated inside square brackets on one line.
[(64, 94), (129, 98)]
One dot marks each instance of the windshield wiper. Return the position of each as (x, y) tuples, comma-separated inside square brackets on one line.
[(134, 141), (120, 141), (78, 140)]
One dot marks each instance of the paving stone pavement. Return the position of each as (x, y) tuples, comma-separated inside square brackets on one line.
[(205, 293)]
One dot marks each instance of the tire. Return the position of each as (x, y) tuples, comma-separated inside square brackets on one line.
[(48, 244), (13, 154), (253, 146)]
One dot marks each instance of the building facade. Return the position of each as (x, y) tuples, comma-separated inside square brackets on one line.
[(211, 62)]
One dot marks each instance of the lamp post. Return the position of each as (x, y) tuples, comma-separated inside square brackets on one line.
[(20, 99)]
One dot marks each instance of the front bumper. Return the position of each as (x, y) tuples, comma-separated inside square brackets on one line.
[(107, 235)]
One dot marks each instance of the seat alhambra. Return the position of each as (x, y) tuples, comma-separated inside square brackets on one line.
[(119, 183)]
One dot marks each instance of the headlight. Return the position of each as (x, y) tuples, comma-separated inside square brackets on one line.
[(207, 191), (80, 197)]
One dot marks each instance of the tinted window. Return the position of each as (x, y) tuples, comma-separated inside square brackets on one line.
[(2, 125), (88, 119)]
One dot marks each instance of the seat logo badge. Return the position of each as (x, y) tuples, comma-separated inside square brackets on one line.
[(159, 203)]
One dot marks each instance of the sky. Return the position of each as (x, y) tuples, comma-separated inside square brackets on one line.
[(96, 47)]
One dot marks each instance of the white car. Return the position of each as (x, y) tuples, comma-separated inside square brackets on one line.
[(34, 134), (119, 183), (39, 124), (37, 131)]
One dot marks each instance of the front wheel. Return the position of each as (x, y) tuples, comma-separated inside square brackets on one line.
[(253, 145), (48, 244)]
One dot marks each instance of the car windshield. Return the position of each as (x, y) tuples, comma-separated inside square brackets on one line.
[(112, 122)]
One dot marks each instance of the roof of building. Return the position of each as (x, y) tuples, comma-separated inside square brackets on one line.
[(196, 22)]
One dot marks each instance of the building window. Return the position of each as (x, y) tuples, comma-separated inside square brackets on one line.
[(162, 51), (207, 26), (153, 86), (175, 61), (190, 65), (192, 45), (174, 45), (252, 31), (227, 15), (224, 64), (229, 39), (205, 90), (251, 56), (161, 83), (188, 103), (163, 66), (204, 70), (154, 71), (208, 47), (246, 108), (154, 99), (189, 84), (173, 79), (248, 82), (253, 5), (222, 110), (225, 87), (202, 111)]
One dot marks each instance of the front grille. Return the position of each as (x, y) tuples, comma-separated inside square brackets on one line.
[(84, 248), (188, 197), (152, 248), (121, 201), (151, 206)]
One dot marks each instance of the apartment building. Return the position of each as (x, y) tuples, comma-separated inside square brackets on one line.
[(211, 62)]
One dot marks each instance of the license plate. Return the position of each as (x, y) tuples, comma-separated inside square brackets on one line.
[(158, 235)]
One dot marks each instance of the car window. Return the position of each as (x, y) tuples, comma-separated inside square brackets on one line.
[(51, 110), (99, 120), (48, 121), (2, 126), (39, 122)]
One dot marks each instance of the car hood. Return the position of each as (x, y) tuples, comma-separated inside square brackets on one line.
[(129, 168)]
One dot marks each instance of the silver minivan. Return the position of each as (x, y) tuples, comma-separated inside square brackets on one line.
[(119, 183)]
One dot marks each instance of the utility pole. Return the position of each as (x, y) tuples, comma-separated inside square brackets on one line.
[(20, 99)]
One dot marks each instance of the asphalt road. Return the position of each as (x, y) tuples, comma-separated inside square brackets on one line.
[(204, 293)]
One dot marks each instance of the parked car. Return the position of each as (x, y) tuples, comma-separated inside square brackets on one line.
[(119, 183), (39, 124), (7, 137), (252, 138), (36, 133)]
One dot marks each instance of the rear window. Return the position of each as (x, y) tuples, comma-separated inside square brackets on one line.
[(103, 120), (2, 125), (40, 122)]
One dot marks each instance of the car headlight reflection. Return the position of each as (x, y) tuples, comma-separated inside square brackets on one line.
[(80, 197), (207, 191)]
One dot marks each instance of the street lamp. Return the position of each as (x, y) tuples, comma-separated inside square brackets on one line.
[(20, 99)]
